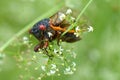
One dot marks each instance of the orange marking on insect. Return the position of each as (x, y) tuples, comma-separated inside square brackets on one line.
[(58, 28)]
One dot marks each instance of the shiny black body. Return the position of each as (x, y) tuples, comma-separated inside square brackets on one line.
[(42, 34)]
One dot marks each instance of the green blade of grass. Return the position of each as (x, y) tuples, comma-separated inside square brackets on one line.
[(80, 14), (47, 14)]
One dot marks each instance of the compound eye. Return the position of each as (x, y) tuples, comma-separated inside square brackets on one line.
[(42, 27)]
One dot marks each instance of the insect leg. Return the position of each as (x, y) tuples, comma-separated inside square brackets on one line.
[(38, 46)]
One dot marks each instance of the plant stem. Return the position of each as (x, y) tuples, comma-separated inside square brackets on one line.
[(83, 10), (80, 14), (47, 14)]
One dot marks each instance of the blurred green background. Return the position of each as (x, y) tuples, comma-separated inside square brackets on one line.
[(98, 53)]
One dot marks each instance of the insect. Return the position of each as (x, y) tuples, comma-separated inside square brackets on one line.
[(49, 29)]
